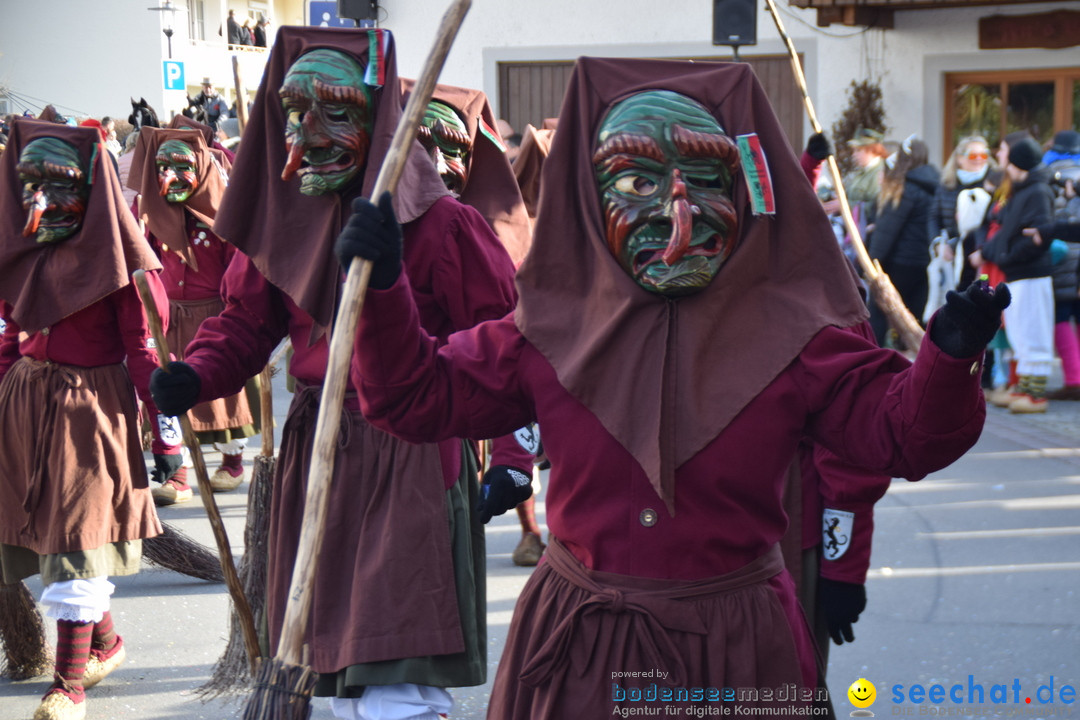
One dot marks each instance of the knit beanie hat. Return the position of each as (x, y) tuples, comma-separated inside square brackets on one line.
[(1025, 154)]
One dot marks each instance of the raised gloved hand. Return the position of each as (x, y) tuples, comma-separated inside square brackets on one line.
[(176, 391), (165, 466), (372, 233), (841, 602), (503, 488), (969, 319), (818, 146)]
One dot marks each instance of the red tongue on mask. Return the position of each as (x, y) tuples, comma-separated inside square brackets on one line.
[(37, 209)]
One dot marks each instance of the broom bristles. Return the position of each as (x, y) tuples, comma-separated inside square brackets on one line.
[(173, 550), (282, 692), (231, 673), (22, 631)]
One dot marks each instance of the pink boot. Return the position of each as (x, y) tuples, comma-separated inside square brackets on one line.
[(1068, 349)]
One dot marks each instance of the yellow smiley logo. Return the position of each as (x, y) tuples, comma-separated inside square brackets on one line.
[(862, 693)]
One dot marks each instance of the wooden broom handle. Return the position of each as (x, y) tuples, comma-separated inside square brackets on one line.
[(298, 607), (228, 568), (872, 269), (266, 412)]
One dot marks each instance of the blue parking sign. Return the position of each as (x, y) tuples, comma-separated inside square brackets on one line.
[(173, 73)]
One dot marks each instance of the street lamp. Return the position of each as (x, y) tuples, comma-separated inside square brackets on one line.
[(168, 15)]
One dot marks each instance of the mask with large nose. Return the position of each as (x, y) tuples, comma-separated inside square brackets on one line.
[(178, 171), (444, 135), (55, 191), (328, 121), (664, 167)]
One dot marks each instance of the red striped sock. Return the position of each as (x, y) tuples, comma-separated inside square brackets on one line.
[(104, 636), (72, 652)]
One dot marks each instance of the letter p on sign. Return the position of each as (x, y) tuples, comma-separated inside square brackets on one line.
[(173, 71)]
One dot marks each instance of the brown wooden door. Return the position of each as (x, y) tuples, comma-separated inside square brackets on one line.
[(529, 92)]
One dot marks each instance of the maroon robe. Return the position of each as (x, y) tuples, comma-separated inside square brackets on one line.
[(384, 586), (671, 423)]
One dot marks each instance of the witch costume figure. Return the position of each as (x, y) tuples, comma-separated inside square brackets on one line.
[(458, 132), (181, 182), (685, 318), (399, 611), (74, 497)]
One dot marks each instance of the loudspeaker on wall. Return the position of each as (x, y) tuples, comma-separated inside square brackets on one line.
[(735, 22)]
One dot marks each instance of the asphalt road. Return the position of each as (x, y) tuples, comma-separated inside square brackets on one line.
[(974, 584)]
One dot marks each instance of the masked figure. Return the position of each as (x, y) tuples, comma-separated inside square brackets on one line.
[(664, 167), (399, 607), (459, 133), (54, 190), (327, 121), (674, 358), (74, 499), (445, 137), (181, 182), (471, 157)]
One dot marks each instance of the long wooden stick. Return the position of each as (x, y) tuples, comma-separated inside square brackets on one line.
[(298, 607), (888, 298), (228, 567), (241, 95)]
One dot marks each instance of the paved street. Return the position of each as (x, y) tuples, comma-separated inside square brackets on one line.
[(975, 574)]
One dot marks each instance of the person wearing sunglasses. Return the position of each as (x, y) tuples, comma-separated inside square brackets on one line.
[(965, 171)]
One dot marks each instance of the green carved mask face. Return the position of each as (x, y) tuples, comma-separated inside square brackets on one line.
[(55, 191), (444, 135), (664, 168), (328, 121), (178, 171)]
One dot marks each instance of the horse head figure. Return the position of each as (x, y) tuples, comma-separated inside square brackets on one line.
[(195, 110), (142, 115)]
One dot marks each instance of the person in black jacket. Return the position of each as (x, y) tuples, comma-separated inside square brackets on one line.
[(898, 239), (1029, 321)]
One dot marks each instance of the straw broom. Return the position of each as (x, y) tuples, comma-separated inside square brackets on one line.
[(284, 684), (22, 632), (232, 582), (231, 673), (173, 550), (885, 294)]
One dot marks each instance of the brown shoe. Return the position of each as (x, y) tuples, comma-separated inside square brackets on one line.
[(101, 663), (1026, 405), (528, 551), (1069, 392)]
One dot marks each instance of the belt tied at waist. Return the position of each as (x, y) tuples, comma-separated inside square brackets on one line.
[(655, 611), (306, 410)]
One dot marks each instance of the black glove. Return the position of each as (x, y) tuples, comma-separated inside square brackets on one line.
[(165, 466), (176, 391), (969, 319), (818, 146), (503, 488), (372, 233), (841, 602)]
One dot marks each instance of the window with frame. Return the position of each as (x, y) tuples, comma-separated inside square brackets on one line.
[(197, 20), (996, 103)]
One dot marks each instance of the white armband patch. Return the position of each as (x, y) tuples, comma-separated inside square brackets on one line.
[(836, 526), (528, 438), (169, 429)]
